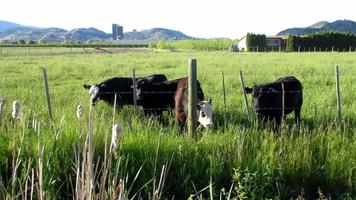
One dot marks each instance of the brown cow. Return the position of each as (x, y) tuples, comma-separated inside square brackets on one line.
[(181, 105)]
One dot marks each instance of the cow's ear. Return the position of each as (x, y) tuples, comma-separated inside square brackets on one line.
[(87, 87), (199, 105), (248, 90)]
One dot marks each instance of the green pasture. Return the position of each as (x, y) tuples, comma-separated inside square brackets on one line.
[(242, 161)]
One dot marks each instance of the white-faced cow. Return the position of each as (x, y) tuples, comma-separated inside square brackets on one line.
[(204, 108), (121, 86), (267, 99)]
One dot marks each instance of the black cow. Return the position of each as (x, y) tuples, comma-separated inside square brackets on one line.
[(267, 99), (158, 97), (122, 86)]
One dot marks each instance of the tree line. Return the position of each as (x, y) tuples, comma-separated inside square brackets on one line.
[(326, 41)]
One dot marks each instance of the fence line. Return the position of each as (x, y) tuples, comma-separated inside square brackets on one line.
[(228, 74), (283, 92), (299, 49)]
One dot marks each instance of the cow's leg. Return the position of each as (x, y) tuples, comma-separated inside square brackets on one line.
[(297, 115), (180, 120)]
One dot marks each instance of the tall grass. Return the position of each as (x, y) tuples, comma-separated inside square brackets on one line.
[(40, 158)]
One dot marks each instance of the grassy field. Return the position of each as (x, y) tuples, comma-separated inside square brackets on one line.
[(248, 162)]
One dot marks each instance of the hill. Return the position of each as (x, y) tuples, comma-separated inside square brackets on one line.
[(156, 34), (344, 26), (11, 31)]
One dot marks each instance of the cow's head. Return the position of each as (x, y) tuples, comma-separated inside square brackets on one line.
[(205, 113), (140, 85), (262, 96), (94, 92)]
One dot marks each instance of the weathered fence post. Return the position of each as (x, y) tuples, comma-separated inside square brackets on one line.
[(257, 48), (298, 49), (224, 98), (192, 97), (279, 49), (332, 49), (314, 49), (134, 87), (350, 49), (47, 93), (338, 97), (245, 98)]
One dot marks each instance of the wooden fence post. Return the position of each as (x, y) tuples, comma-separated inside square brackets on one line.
[(224, 98), (338, 96), (279, 49), (134, 87), (298, 49), (314, 49), (332, 49), (47, 93), (192, 97), (245, 98)]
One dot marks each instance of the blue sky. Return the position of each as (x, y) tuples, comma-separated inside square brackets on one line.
[(199, 18)]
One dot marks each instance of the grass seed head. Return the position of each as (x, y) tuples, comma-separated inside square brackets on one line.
[(116, 133), (79, 111), (2, 106), (16, 112)]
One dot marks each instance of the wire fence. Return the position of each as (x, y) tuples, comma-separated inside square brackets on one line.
[(211, 82), (55, 51)]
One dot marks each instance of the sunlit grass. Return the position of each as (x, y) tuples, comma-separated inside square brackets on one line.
[(320, 155)]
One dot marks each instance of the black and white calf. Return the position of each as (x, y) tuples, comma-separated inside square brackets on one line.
[(121, 86)]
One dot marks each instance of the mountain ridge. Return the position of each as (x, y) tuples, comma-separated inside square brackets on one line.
[(344, 26), (12, 31)]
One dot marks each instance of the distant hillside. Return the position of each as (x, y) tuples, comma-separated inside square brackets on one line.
[(156, 34), (7, 25), (11, 31), (345, 26)]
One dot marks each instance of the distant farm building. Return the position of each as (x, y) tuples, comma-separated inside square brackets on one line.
[(117, 32), (274, 43), (241, 44)]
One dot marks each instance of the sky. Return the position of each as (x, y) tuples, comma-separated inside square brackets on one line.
[(197, 18)]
